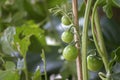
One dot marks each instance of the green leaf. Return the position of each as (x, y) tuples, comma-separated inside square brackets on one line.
[(9, 75), (116, 55), (9, 65), (53, 3), (116, 2), (37, 74), (6, 41), (23, 37), (108, 10)]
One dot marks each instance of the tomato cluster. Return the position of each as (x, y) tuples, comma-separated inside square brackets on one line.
[(70, 52)]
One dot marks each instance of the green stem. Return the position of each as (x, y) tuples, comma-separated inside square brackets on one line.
[(99, 42), (44, 62), (25, 69), (84, 40), (45, 70)]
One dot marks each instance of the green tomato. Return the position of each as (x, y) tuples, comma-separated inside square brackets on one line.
[(70, 53), (65, 20), (67, 36), (94, 63)]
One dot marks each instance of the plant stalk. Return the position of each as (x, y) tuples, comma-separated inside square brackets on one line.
[(99, 42), (84, 40), (77, 38), (25, 68)]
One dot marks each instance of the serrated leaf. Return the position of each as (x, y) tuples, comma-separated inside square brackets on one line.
[(116, 55), (116, 2), (9, 75), (24, 34), (108, 10)]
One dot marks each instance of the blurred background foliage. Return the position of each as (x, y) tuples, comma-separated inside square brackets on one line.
[(32, 13)]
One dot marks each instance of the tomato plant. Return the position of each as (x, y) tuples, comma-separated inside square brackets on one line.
[(67, 36), (70, 52), (65, 20), (31, 46), (94, 63)]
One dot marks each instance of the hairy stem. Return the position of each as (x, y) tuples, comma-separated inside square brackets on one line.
[(77, 38), (99, 42), (84, 40)]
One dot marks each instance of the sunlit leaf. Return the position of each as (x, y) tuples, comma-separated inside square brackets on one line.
[(24, 34), (9, 75), (9, 65), (6, 41)]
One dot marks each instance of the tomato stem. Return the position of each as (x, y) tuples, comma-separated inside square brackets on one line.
[(77, 38), (84, 40), (99, 41), (25, 68)]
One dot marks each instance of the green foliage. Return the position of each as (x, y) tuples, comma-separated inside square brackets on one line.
[(37, 75), (23, 35), (9, 75), (108, 10), (23, 30), (116, 2), (6, 41)]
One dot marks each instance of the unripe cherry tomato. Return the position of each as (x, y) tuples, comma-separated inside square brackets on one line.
[(67, 36), (70, 53), (65, 20), (94, 63)]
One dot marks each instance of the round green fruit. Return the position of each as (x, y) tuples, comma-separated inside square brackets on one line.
[(70, 53), (67, 36), (65, 20), (94, 63)]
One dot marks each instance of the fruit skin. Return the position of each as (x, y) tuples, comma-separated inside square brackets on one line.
[(67, 36), (94, 63), (70, 53), (65, 20)]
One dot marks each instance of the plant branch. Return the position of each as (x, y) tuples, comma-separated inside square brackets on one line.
[(25, 68), (77, 38), (99, 42), (84, 40)]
